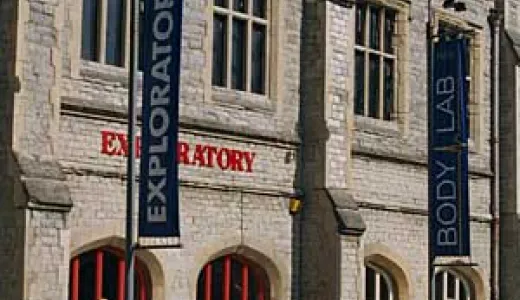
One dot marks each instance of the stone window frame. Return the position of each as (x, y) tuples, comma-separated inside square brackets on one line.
[(381, 274), (230, 14), (249, 269), (82, 68), (101, 33), (400, 118), (102, 237), (475, 32), (269, 101), (395, 266), (459, 282)]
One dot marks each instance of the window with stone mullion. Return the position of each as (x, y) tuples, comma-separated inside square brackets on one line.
[(375, 61), (449, 286), (240, 44), (378, 285), (103, 36)]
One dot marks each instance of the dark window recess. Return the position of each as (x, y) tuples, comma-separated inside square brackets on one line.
[(439, 291), (89, 30), (99, 274), (258, 59), (110, 263), (239, 5), (238, 54), (451, 285), (370, 284), (384, 289), (388, 105), (374, 27), (115, 32), (259, 8), (219, 50), (87, 268), (389, 31), (359, 92), (221, 3), (373, 90), (232, 278), (360, 24)]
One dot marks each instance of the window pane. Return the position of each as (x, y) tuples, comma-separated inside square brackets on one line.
[(388, 105), (360, 24), (439, 286), (87, 275), (359, 93), (239, 5), (238, 55), (252, 285), (221, 3), (236, 280), (374, 27), (384, 289), (258, 59), (370, 284), (219, 50), (114, 33), (463, 294), (451, 285), (259, 8), (389, 30), (89, 38), (373, 94), (110, 263), (217, 279)]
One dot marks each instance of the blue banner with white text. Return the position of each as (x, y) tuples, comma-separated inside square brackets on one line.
[(158, 185), (448, 151)]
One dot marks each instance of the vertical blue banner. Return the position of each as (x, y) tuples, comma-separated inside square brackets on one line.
[(448, 151), (158, 185)]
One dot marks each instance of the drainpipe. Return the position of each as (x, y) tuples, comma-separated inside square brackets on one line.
[(495, 21)]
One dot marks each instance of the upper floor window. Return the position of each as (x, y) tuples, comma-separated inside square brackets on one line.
[(375, 61), (378, 284), (105, 32), (232, 277), (240, 45), (450, 286)]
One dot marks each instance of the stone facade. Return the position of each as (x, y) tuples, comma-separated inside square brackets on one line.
[(364, 180)]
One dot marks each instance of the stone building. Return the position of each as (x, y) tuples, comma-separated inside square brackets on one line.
[(262, 82)]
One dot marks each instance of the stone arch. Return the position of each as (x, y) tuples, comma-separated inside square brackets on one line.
[(472, 276), (394, 265), (271, 265), (151, 262)]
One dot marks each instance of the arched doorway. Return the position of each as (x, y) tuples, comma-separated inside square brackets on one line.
[(232, 277), (100, 274)]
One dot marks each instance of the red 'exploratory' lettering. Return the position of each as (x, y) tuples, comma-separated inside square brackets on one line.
[(200, 155)]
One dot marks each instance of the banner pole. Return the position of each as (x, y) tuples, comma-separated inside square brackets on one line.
[(132, 120), (429, 70)]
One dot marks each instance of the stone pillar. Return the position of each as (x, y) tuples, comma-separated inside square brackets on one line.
[(35, 200), (328, 242)]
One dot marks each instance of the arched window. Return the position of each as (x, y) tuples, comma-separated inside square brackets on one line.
[(232, 277), (100, 274), (450, 286), (378, 284)]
